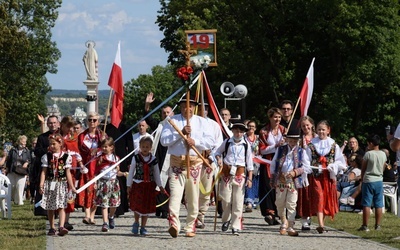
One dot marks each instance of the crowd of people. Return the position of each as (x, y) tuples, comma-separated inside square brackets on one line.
[(289, 168)]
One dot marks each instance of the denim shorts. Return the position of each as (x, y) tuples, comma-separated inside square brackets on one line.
[(372, 194)]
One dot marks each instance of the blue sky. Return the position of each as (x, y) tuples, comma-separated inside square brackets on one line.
[(106, 22)]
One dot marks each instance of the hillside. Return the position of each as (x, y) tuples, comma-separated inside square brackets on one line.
[(68, 107)]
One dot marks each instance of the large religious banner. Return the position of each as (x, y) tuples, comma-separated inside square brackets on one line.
[(204, 42)]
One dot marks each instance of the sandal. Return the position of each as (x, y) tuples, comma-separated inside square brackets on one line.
[(321, 230), (86, 221), (282, 230), (92, 222)]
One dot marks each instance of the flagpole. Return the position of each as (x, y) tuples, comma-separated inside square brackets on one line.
[(291, 117), (108, 110)]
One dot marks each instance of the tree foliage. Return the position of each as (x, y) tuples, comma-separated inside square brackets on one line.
[(268, 46), (26, 55)]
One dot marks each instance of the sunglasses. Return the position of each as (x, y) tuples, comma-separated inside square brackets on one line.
[(92, 120)]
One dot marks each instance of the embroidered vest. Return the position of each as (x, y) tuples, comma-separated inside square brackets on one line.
[(139, 174), (315, 157), (51, 169), (282, 152)]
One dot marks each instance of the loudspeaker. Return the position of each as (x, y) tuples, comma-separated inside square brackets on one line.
[(227, 89), (240, 91)]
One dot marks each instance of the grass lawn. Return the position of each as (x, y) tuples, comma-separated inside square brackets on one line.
[(24, 230), (350, 222)]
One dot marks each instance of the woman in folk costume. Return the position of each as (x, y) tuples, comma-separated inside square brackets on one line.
[(307, 133), (88, 142), (325, 159), (287, 173), (237, 161), (271, 137), (71, 146)]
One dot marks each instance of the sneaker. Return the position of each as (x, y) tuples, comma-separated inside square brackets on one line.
[(51, 232), (104, 228), (68, 226), (225, 226), (135, 228), (343, 201), (143, 231), (378, 227), (62, 231), (363, 228), (112, 222), (351, 201), (235, 232)]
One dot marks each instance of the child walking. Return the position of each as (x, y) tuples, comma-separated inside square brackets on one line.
[(144, 177), (237, 159), (108, 195), (372, 182), (55, 173)]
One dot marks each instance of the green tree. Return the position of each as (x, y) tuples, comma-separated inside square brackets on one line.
[(26, 55), (268, 46), (162, 82)]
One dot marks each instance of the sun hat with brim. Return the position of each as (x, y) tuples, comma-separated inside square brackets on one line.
[(293, 132), (240, 126), (191, 101)]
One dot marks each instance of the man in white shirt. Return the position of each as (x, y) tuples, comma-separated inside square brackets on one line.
[(197, 134), (142, 127)]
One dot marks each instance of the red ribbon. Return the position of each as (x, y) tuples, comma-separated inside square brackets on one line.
[(323, 161)]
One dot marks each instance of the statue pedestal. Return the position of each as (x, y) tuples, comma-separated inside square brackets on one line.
[(91, 96)]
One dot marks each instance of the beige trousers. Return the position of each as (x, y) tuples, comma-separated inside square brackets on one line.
[(179, 183), (286, 199), (204, 199), (231, 192)]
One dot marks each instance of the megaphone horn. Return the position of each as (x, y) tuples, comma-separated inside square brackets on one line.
[(240, 91), (227, 88)]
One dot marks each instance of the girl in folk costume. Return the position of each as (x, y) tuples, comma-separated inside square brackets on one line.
[(237, 159), (271, 137), (71, 146), (325, 159), (307, 133), (108, 190), (252, 193), (144, 177), (88, 142), (286, 169), (55, 173)]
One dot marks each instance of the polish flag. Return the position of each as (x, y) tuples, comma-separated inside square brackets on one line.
[(115, 82), (307, 90)]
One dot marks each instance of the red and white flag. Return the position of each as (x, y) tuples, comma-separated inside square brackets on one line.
[(307, 90), (115, 82)]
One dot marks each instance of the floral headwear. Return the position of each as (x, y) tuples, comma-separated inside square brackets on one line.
[(57, 137)]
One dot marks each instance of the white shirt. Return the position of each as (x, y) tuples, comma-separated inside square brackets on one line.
[(68, 163), (216, 134), (201, 134), (272, 140), (112, 175), (235, 155), (288, 164)]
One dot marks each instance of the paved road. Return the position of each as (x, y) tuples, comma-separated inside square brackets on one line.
[(256, 235)]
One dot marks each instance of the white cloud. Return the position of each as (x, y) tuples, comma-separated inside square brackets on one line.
[(117, 22)]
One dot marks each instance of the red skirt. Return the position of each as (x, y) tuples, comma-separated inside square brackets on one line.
[(304, 200), (142, 198), (323, 195)]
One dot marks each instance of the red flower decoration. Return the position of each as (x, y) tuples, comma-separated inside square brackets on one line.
[(184, 72)]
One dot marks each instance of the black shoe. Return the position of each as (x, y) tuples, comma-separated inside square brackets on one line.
[(158, 213), (68, 226), (235, 232), (164, 215), (269, 219), (225, 226)]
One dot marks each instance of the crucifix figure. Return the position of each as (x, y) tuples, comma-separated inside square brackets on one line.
[(187, 53)]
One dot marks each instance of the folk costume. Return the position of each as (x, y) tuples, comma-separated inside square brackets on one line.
[(55, 184), (251, 194), (71, 146), (207, 173), (88, 148), (287, 170), (108, 193), (238, 160), (325, 159), (143, 178), (179, 179), (267, 149)]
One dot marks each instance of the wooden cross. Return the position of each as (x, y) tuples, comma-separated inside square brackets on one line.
[(187, 53)]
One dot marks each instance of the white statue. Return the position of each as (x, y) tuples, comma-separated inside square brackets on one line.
[(90, 60)]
